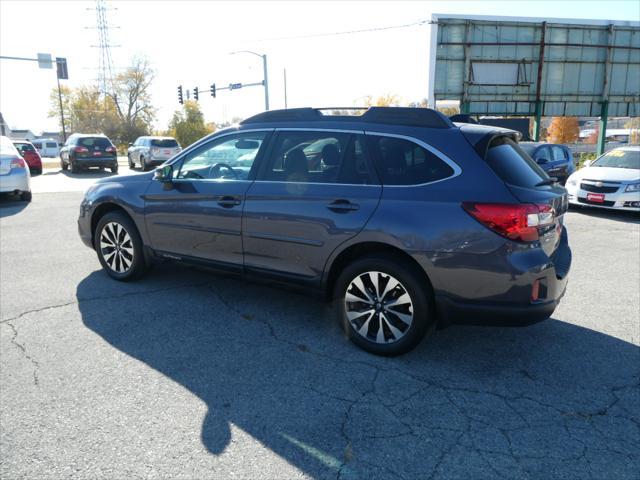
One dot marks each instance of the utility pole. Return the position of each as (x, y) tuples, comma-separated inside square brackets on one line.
[(265, 81), (64, 130), (285, 88)]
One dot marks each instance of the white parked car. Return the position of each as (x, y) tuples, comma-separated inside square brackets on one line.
[(611, 181), (14, 171)]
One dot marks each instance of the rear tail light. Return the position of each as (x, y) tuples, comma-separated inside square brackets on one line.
[(519, 222), (110, 149), (17, 163), (80, 149)]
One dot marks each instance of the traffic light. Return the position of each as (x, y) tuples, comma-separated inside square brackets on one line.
[(61, 68), (213, 90), (196, 93), (180, 99)]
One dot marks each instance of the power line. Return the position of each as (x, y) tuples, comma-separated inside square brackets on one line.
[(346, 32)]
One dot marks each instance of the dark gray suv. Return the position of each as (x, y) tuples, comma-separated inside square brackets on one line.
[(401, 218)]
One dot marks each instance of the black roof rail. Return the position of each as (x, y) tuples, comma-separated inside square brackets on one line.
[(415, 117)]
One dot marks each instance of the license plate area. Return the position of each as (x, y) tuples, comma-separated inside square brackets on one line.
[(595, 197)]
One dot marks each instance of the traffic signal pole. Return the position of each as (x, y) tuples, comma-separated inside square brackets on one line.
[(64, 130)]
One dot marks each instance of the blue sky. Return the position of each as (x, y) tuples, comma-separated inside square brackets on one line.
[(189, 43)]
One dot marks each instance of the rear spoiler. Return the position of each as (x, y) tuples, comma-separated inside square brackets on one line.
[(481, 136)]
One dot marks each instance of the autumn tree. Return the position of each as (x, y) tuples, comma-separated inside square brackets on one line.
[(592, 138), (131, 96), (386, 100), (634, 126), (187, 125), (563, 130)]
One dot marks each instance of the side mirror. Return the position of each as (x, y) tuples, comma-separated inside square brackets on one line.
[(541, 160), (130, 144), (164, 174)]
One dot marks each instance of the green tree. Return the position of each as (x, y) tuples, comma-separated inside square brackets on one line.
[(85, 110), (187, 125)]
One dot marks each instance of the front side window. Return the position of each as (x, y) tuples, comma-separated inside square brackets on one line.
[(230, 157), (403, 162), (318, 157)]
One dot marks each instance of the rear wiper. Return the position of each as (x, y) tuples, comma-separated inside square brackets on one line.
[(549, 181)]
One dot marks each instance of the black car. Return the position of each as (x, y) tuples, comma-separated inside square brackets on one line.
[(556, 160), (82, 151), (401, 218)]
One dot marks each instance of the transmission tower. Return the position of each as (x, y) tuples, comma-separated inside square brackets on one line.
[(105, 63)]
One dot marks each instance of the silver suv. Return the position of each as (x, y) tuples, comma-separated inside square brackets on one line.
[(150, 151)]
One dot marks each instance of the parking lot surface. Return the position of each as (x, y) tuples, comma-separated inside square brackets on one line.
[(185, 374)]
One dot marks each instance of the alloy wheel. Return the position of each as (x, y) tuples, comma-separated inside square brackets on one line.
[(378, 307), (116, 247)]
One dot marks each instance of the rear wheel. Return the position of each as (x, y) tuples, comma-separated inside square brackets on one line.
[(131, 165), (25, 196), (119, 246), (383, 304), (63, 165), (143, 164), (74, 166), (114, 169)]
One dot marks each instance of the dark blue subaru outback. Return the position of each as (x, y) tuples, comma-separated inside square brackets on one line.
[(403, 219)]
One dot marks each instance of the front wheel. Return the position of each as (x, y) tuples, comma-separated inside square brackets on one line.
[(384, 305), (119, 246)]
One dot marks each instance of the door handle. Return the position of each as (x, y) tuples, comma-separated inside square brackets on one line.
[(342, 206), (228, 201)]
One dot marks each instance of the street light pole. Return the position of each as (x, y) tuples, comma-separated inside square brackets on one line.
[(265, 80)]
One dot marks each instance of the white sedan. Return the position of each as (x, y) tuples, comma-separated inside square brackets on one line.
[(611, 181), (14, 171)]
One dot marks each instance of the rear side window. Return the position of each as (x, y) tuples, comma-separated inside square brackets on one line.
[(559, 153), (402, 162), (38, 145), (89, 142), (164, 143), (512, 165)]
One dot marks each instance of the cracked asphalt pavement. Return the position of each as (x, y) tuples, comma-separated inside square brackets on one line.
[(185, 374)]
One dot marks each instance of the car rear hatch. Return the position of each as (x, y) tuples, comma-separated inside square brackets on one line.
[(94, 147), (164, 148), (526, 180), (5, 163)]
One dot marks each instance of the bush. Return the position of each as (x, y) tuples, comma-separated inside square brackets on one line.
[(584, 156)]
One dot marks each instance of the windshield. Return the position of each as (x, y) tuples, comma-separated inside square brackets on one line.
[(619, 159)]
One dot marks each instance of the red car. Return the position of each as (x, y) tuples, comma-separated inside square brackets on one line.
[(30, 155)]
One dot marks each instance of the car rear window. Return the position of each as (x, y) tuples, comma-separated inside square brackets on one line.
[(25, 147), (101, 142), (52, 145), (164, 143), (513, 165)]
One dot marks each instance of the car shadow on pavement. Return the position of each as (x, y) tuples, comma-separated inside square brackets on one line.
[(10, 204), (93, 173), (550, 400)]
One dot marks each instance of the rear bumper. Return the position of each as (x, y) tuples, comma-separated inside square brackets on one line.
[(515, 308), (17, 179), (96, 162)]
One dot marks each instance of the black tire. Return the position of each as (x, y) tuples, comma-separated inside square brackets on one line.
[(74, 166), (38, 171), (411, 281), (25, 196), (138, 264), (114, 169), (131, 164), (143, 164), (63, 165)]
